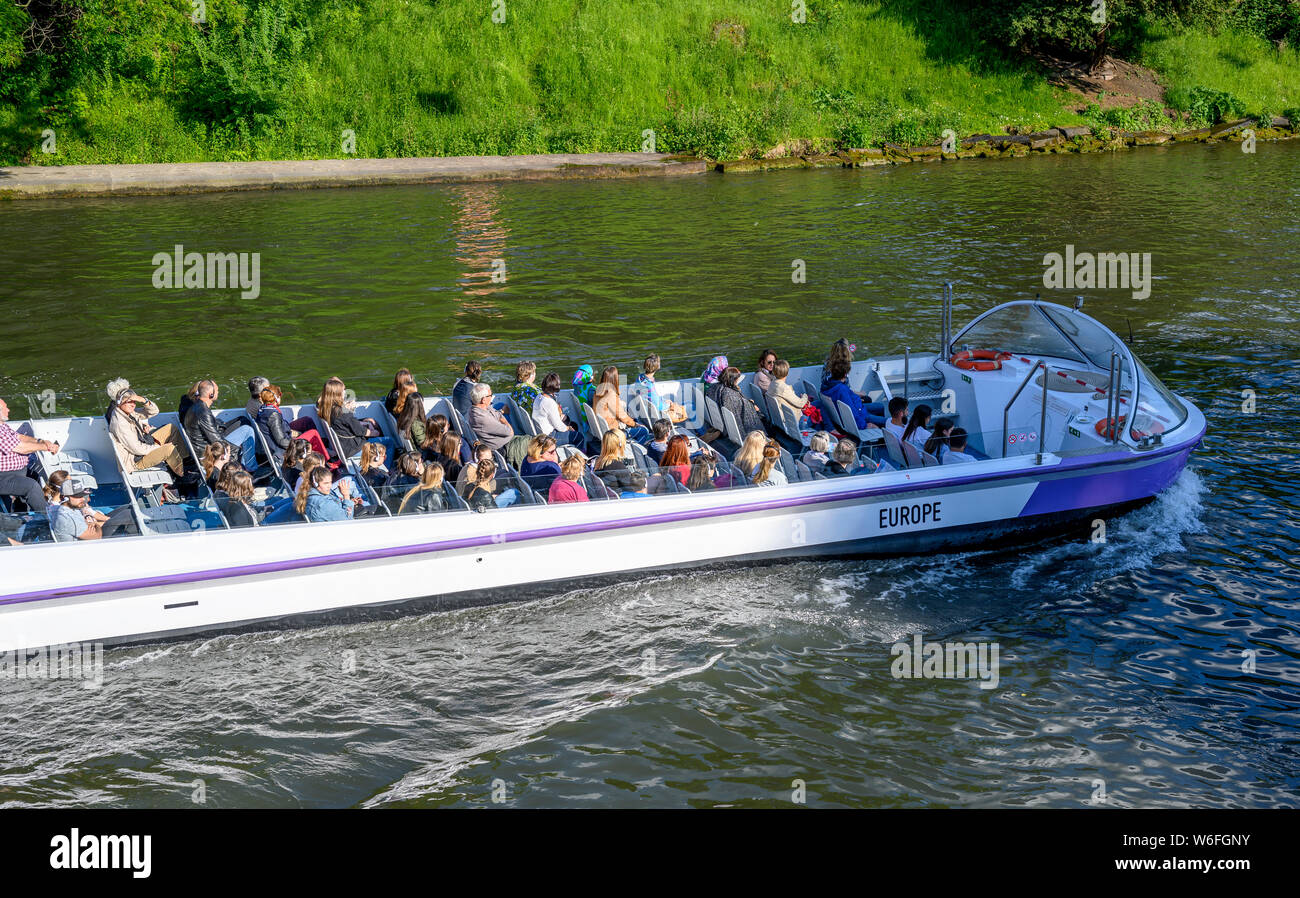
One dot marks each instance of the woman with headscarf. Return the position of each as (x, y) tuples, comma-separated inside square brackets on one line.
[(584, 391), (714, 369)]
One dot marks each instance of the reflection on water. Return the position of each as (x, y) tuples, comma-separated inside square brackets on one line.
[(1122, 661), (480, 244)]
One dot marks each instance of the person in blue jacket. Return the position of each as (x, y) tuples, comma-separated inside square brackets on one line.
[(836, 389)]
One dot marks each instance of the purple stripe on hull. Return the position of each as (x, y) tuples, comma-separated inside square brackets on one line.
[(1104, 488)]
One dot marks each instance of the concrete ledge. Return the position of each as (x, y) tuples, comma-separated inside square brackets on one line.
[(209, 177)]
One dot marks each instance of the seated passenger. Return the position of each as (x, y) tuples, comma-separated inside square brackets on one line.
[(235, 498), (751, 453), (399, 387), (817, 457), (613, 410), (841, 350), (427, 496), (703, 469), (73, 518), (372, 467), (291, 466), (485, 492), (584, 391), (317, 501), (477, 454), (916, 432), (408, 412), (568, 487), (14, 449), (255, 387), (765, 371), (897, 423), (203, 430), (460, 398), (727, 396), (956, 453), (525, 392), (714, 369), (611, 465), (406, 473), (650, 389), (215, 458), (549, 417), (659, 434), (345, 486), (845, 461), (836, 389), (276, 429), (542, 466), (435, 428), (333, 407), (448, 455), (677, 458), (782, 393), (937, 444), (139, 445), (770, 472), (636, 486), (488, 424)]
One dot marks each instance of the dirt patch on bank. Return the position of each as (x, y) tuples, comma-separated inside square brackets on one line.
[(1113, 83)]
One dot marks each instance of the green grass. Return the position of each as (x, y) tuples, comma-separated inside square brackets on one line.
[(1263, 77), (718, 77)]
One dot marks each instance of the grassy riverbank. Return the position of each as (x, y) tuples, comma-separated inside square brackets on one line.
[(140, 82)]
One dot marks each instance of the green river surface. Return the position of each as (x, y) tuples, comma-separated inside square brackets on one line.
[(1122, 662)]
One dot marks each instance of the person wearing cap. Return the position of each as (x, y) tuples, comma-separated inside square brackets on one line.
[(14, 449), (73, 518), (138, 444)]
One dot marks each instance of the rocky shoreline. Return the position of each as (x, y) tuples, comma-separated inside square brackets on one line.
[(1078, 139)]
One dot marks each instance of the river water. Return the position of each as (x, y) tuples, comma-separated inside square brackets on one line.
[(1158, 668)]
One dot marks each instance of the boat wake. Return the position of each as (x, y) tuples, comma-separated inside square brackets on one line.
[(1130, 542)]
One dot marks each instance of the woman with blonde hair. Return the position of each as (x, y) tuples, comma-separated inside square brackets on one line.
[(568, 486), (769, 471), (542, 465), (611, 465), (751, 452), (427, 495)]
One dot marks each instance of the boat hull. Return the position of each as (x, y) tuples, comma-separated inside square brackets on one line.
[(216, 580)]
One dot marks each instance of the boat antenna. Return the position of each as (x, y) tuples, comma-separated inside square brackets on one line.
[(1078, 303), (1130, 330)]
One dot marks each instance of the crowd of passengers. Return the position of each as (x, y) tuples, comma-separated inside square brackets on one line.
[(413, 474)]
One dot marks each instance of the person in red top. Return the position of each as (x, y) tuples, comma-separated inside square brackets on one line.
[(14, 449), (677, 458), (566, 487)]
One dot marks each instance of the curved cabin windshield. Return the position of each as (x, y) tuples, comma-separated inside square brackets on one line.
[(1158, 410), (1020, 329)]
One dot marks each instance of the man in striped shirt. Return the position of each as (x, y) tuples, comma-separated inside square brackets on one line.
[(14, 449)]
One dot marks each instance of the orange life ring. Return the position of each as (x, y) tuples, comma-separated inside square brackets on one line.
[(1105, 430), (979, 359)]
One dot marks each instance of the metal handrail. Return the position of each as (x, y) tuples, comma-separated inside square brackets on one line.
[(1006, 410)]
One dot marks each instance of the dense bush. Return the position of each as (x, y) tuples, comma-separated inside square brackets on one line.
[(1206, 106), (242, 71)]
